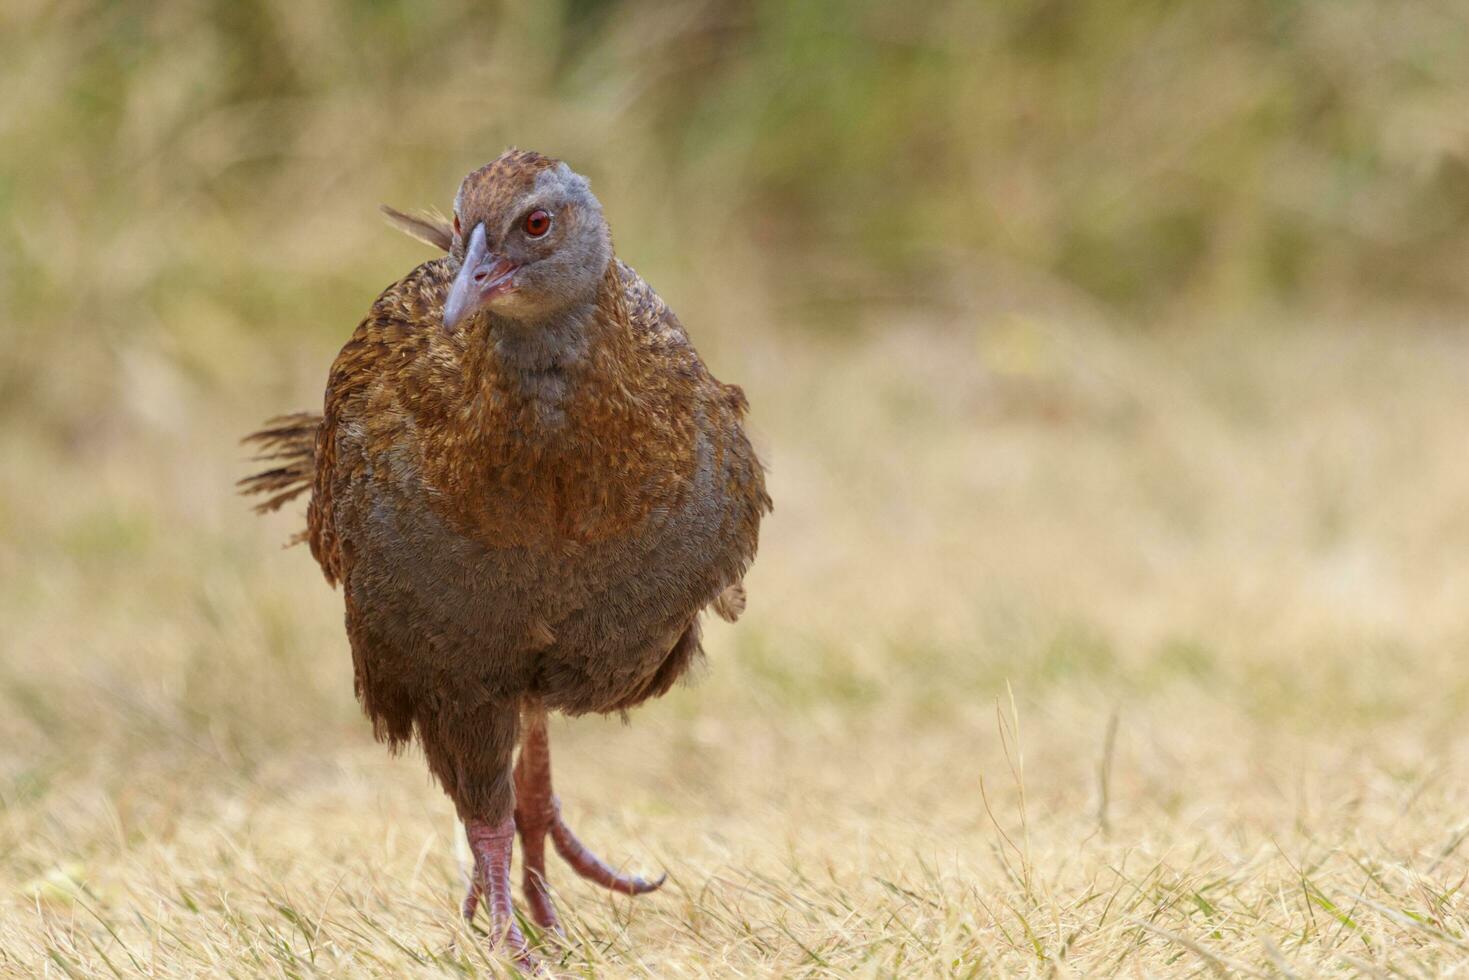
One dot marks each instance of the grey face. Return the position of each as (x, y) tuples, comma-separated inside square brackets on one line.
[(530, 250)]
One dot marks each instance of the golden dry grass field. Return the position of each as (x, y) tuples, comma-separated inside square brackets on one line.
[(1099, 630), (1067, 653)]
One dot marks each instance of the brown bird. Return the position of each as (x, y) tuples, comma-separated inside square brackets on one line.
[(529, 487)]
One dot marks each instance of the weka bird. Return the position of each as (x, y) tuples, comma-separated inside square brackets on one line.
[(529, 487)]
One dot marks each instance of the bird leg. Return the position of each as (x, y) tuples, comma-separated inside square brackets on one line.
[(538, 813), (492, 844)]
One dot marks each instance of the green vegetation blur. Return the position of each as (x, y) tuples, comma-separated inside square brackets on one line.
[(181, 177)]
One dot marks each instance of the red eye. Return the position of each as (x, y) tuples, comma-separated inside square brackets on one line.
[(537, 223)]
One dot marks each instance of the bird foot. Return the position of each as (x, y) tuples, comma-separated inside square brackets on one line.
[(535, 821), (492, 844), (538, 815)]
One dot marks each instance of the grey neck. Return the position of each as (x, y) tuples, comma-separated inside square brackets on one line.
[(538, 363), (555, 343)]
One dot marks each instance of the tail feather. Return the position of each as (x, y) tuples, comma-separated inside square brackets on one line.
[(289, 441)]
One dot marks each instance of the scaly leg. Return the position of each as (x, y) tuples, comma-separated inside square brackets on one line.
[(492, 845), (538, 812)]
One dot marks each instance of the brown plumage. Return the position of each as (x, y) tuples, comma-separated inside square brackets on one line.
[(529, 487)]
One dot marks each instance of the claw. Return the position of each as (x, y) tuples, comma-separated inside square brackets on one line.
[(593, 868)]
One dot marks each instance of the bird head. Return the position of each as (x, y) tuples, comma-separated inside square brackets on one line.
[(530, 239)]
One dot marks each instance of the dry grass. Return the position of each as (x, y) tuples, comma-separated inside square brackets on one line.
[(1222, 574)]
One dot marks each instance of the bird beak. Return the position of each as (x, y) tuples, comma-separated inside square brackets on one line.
[(483, 276)]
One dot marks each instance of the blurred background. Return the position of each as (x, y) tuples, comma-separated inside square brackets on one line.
[(183, 175), (1109, 360)]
